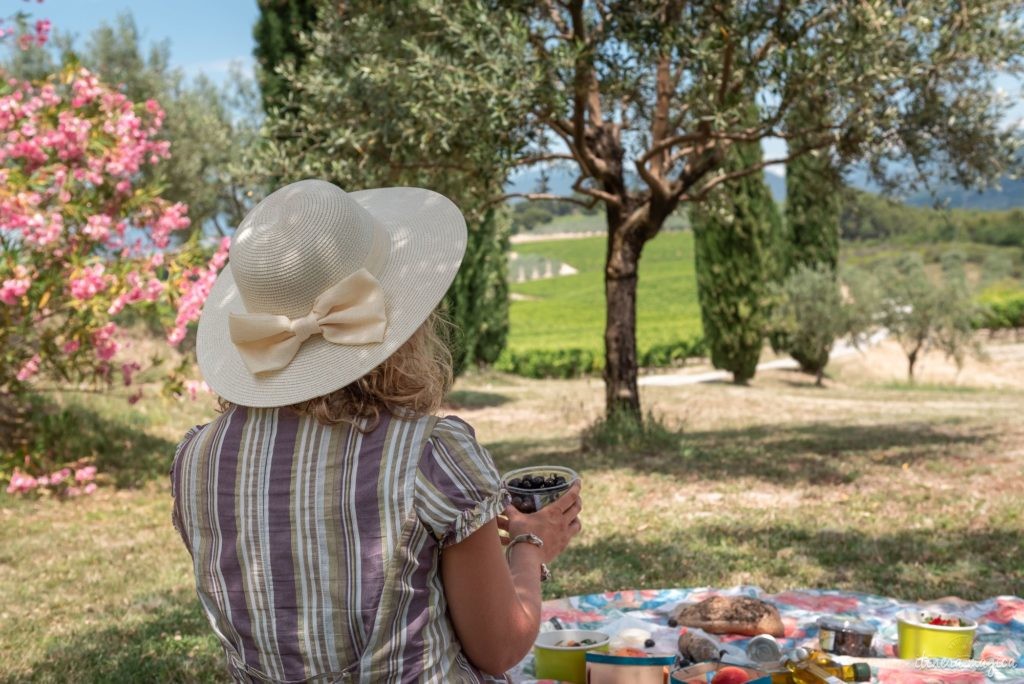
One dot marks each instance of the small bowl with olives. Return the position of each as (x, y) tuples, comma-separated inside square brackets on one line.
[(534, 487)]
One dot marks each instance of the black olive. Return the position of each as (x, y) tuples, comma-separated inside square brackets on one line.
[(515, 482), (649, 643), (672, 622), (527, 506), (538, 481), (559, 480), (517, 501)]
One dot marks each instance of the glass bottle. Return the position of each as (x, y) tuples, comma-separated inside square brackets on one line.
[(817, 668)]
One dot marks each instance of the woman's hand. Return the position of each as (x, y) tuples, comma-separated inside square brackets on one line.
[(557, 523)]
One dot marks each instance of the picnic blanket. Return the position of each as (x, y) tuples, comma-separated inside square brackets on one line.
[(999, 640)]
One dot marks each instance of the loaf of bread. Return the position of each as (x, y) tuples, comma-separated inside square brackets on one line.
[(732, 615)]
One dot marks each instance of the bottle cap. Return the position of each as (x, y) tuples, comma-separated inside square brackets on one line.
[(861, 672)]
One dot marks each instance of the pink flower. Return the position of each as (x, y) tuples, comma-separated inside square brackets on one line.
[(21, 483), (89, 284), (103, 342), (194, 387), (72, 492), (12, 290), (43, 480), (89, 488), (71, 346), (98, 227), (174, 217), (42, 31), (30, 368), (59, 476), (195, 288), (85, 474)]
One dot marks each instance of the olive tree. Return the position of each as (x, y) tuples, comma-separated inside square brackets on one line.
[(645, 97)]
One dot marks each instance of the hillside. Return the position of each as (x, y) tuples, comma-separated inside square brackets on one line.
[(569, 312)]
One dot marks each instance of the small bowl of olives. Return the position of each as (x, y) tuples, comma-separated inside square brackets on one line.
[(535, 487)]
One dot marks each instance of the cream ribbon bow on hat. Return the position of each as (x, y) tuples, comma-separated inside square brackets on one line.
[(350, 313)]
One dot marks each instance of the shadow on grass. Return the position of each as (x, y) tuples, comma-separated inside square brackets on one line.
[(821, 454), (564, 451), (906, 564), (172, 643), (119, 446), (472, 399)]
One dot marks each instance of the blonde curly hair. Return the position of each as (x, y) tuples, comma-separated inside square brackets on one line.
[(412, 381)]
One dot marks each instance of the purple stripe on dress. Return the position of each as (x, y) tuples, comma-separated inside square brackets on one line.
[(419, 612), (282, 568), (461, 495), (228, 564), (368, 522)]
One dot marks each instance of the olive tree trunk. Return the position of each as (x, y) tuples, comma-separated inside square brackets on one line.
[(620, 354)]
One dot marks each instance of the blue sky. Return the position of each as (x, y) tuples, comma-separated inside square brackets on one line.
[(204, 36)]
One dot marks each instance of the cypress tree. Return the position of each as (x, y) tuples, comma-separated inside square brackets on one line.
[(277, 41), (477, 302), (813, 186), (737, 231), (812, 198)]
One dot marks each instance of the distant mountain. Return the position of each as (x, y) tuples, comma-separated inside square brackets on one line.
[(560, 181), (1010, 194), (777, 184)]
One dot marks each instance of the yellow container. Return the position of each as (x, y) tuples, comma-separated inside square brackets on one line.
[(556, 660), (920, 640)]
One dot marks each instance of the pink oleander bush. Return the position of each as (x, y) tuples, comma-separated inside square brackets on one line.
[(85, 239)]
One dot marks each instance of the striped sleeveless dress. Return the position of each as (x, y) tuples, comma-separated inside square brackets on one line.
[(316, 548)]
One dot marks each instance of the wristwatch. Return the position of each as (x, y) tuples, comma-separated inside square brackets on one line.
[(529, 538)]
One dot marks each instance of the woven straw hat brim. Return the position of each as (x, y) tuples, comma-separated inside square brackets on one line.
[(427, 241)]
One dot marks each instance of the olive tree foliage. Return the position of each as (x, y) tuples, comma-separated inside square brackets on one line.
[(422, 93), (926, 313), (209, 126), (812, 310), (644, 98)]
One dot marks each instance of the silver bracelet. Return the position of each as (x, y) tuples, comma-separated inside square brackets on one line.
[(529, 538)]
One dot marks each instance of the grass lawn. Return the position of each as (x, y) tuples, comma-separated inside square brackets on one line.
[(569, 311), (868, 485)]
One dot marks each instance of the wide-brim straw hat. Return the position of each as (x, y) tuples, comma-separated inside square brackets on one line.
[(312, 263)]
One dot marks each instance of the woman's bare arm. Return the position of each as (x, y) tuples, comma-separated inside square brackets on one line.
[(494, 603)]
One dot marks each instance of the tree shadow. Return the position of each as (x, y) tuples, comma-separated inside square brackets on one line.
[(913, 565), (520, 453), (472, 399), (173, 643), (120, 447), (815, 453)]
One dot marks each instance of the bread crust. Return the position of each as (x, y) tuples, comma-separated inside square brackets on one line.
[(732, 615)]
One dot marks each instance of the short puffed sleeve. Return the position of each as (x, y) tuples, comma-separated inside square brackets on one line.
[(458, 489)]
